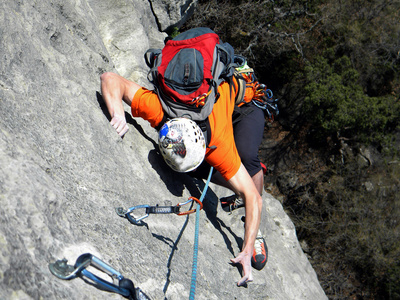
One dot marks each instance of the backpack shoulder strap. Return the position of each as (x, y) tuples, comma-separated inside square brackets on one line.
[(152, 58)]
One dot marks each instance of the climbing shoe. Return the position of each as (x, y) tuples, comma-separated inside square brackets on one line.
[(260, 253), (231, 203)]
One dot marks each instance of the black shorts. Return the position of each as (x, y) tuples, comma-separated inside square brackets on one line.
[(248, 133)]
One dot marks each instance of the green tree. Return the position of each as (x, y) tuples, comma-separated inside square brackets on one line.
[(336, 105)]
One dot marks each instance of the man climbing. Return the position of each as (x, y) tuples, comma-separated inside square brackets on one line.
[(225, 158), (243, 176)]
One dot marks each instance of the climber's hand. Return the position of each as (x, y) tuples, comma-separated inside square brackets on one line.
[(245, 261), (119, 123)]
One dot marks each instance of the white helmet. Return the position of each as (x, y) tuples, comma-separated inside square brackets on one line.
[(182, 144)]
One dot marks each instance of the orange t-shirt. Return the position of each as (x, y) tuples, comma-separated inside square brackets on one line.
[(224, 158)]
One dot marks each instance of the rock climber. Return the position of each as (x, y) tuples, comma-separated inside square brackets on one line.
[(233, 153)]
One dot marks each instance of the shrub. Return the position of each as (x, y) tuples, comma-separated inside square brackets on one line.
[(337, 106)]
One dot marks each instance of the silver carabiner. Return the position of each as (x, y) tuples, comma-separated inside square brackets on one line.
[(127, 213), (120, 285)]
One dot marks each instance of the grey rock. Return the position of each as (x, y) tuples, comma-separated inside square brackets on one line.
[(172, 13), (369, 186), (63, 170), (362, 161), (372, 155), (128, 29)]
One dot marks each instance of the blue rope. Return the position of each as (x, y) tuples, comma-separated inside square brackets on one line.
[(196, 239)]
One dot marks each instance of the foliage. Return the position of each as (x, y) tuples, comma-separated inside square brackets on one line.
[(355, 229), (368, 33), (337, 106), (174, 33), (257, 30)]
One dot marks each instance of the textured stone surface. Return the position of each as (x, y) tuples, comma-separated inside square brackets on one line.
[(172, 13), (63, 170)]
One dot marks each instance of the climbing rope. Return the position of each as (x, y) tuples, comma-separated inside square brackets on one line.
[(196, 239)]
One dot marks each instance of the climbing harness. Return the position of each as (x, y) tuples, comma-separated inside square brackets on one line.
[(127, 213), (120, 285)]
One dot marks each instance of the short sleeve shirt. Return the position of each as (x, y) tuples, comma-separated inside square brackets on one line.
[(224, 156)]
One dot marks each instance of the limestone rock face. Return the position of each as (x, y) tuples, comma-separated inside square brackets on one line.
[(63, 170), (172, 13)]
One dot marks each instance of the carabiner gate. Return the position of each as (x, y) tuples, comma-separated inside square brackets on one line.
[(127, 213), (120, 285), (191, 199)]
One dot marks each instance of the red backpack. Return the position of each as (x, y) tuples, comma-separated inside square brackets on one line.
[(186, 73)]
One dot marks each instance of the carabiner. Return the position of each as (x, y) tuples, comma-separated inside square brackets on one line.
[(269, 93), (191, 199), (127, 213), (120, 285)]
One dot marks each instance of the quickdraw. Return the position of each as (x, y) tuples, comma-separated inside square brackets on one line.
[(120, 285), (263, 99), (127, 213)]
